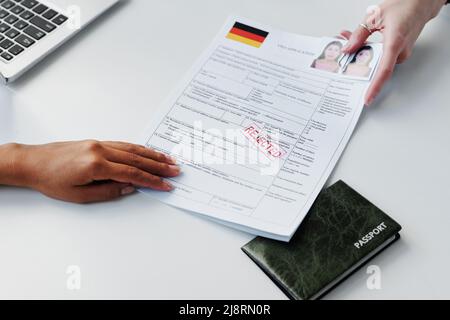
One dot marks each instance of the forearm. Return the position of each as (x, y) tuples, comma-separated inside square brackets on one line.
[(11, 172)]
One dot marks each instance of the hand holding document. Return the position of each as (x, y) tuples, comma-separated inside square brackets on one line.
[(258, 125)]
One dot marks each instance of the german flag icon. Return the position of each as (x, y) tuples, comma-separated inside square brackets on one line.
[(247, 35)]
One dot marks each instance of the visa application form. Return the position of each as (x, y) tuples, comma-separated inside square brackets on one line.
[(258, 124)]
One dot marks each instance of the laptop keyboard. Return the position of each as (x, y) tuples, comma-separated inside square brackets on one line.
[(23, 23)]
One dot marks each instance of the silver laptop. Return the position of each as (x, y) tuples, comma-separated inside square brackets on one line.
[(31, 29)]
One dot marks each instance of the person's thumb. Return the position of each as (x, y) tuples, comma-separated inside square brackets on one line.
[(357, 40), (346, 34), (103, 192)]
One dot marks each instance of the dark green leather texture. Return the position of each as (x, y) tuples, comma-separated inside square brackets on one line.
[(323, 248)]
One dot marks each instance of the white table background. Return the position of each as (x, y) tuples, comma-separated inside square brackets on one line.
[(106, 84)]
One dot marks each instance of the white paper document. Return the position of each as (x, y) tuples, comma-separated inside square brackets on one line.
[(258, 124)]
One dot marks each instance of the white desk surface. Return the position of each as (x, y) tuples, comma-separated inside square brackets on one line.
[(106, 84)]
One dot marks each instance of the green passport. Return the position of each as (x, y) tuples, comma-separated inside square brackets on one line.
[(341, 232)]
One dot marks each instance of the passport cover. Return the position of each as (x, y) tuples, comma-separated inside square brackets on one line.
[(341, 232)]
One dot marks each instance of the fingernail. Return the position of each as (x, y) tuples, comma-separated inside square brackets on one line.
[(168, 186), (175, 168), (369, 102), (128, 190), (171, 160)]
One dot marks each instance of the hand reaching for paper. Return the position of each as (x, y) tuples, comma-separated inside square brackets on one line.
[(86, 171), (400, 22)]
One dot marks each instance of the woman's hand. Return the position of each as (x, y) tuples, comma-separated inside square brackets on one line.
[(400, 22), (87, 171)]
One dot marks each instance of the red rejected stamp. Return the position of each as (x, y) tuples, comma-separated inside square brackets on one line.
[(263, 141)]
